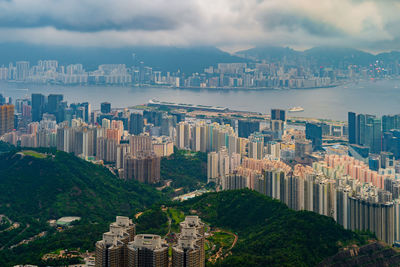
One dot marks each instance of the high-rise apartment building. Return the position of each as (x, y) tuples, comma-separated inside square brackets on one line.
[(187, 229), (140, 143), (190, 247), (22, 70), (111, 251), (147, 251), (143, 167), (6, 118)]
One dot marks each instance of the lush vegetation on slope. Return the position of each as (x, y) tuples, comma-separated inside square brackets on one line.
[(186, 169), (269, 233), (34, 190), (153, 221), (62, 185)]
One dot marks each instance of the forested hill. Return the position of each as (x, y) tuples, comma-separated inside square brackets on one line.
[(269, 233), (44, 186), (38, 185)]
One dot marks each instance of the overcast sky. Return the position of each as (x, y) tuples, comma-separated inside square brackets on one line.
[(372, 25)]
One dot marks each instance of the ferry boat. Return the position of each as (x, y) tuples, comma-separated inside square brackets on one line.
[(296, 109)]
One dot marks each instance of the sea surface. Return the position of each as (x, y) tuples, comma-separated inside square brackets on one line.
[(373, 97)]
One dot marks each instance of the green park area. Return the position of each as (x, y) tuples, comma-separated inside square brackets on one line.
[(34, 154)]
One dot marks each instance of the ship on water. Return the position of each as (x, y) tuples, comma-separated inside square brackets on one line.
[(296, 109)]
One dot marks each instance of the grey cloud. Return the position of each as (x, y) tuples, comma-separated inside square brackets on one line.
[(140, 22), (277, 20), (100, 15), (369, 24)]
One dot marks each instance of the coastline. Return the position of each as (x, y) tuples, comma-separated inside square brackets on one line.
[(18, 83)]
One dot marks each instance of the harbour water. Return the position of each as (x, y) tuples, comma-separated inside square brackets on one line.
[(380, 97)]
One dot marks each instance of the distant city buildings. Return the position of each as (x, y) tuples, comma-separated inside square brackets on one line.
[(224, 75)]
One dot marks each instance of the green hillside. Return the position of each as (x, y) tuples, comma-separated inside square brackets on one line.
[(40, 185), (270, 234)]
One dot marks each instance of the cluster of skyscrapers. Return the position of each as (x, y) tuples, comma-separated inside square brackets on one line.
[(339, 186), (374, 139), (122, 247)]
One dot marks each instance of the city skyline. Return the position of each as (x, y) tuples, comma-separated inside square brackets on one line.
[(193, 133)]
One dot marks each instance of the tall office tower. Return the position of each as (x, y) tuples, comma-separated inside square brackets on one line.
[(86, 111), (361, 130), (277, 127), (187, 251), (105, 107), (22, 70), (390, 122), (53, 104), (314, 133), (136, 124), (377, 136), (38, 105), (353, 131), (373, 134), (278, 114), (180, 116), (167, 125), (303, 148), (6, 118), (140, 143), (154, 117), (247, 127), (143, 167), (111, 251), (147, 251), (387, 160)]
